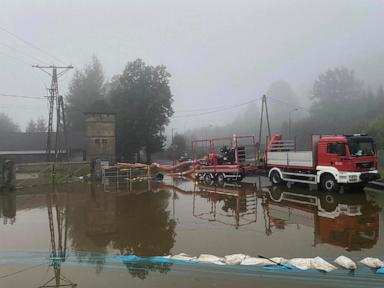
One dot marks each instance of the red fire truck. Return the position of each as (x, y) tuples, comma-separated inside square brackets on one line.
[(334, 160)]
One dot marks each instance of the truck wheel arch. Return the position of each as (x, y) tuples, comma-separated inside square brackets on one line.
[(276, 173), (275, 169), (330, 171)]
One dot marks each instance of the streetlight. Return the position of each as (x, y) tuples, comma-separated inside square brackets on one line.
[(290, 122)]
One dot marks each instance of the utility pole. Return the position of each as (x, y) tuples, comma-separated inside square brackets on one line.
[(264, 106), (54, 99)]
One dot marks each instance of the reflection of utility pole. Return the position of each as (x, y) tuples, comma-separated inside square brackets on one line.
[(290, 122), (173, 148), (59, 248), (267, 218)]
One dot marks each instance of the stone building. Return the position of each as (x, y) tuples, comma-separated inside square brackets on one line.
[(100, 132)]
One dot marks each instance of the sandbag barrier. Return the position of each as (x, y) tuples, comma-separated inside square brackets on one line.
[(275, 263)]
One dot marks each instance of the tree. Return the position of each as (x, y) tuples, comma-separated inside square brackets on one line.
[(142, 100), (31, 127), (7, 125), (178, 147), (41, 125), (86, 87), (36, 126)]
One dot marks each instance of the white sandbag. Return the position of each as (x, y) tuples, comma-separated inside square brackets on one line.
[(183, 256), (207, 258), (301, 263), (279, 260), (322, 265), (256, 261), (345, 262), (372, 262), (234, 259)]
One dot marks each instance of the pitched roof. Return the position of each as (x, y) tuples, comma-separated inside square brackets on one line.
[(20, 141)]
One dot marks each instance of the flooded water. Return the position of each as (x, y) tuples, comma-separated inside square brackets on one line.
[(90, 223)]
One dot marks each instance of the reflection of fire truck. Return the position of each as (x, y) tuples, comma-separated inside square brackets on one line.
[(348, 221)]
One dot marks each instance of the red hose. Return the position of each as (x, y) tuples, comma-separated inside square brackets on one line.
[(171, 167)]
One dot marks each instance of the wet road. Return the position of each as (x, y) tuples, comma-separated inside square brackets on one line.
[(89, 223)]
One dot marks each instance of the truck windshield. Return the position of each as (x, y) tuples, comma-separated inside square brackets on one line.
[(361, 148)]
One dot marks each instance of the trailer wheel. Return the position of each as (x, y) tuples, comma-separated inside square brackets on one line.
[(208, 179), (276, 178), (329, 183)]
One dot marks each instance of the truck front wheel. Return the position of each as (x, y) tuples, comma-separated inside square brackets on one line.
[(276, 178), (329, 183)]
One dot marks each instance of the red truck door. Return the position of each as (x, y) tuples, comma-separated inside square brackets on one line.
[(332, 154)]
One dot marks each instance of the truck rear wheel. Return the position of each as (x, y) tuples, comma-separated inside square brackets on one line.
[(276, 178), (329, 183)]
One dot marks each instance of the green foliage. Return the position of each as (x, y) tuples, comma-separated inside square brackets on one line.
[(86, 87), (7, 124), (142, 99)]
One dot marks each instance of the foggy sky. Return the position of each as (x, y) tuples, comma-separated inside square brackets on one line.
[(218, 52)]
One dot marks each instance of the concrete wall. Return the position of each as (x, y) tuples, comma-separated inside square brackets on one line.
[(100, 134)]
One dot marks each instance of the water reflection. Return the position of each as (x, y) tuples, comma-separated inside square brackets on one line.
[(349, 221), (179, 215), (131, 223), (8, 207), (141, 270), (237, 201)]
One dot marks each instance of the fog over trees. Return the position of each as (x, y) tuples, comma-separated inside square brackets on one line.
[(86, 87), (319, 62), (339, 102), (7, 124)]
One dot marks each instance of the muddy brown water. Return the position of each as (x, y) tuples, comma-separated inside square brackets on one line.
[(96, 222)]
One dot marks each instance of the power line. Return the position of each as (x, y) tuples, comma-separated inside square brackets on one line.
[(22, 53), (290, 104), (31, 45), (218, 110), (203, 109), (22, 96)]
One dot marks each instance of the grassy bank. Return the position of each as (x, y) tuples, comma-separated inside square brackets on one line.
[(33, 174)]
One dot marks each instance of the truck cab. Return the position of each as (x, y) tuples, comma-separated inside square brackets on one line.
[(350, 158)]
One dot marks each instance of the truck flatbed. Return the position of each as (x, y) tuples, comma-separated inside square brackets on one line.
[(298, 159)]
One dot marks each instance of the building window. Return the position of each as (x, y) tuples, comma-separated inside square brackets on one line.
[(97, 141), (105, 141)]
